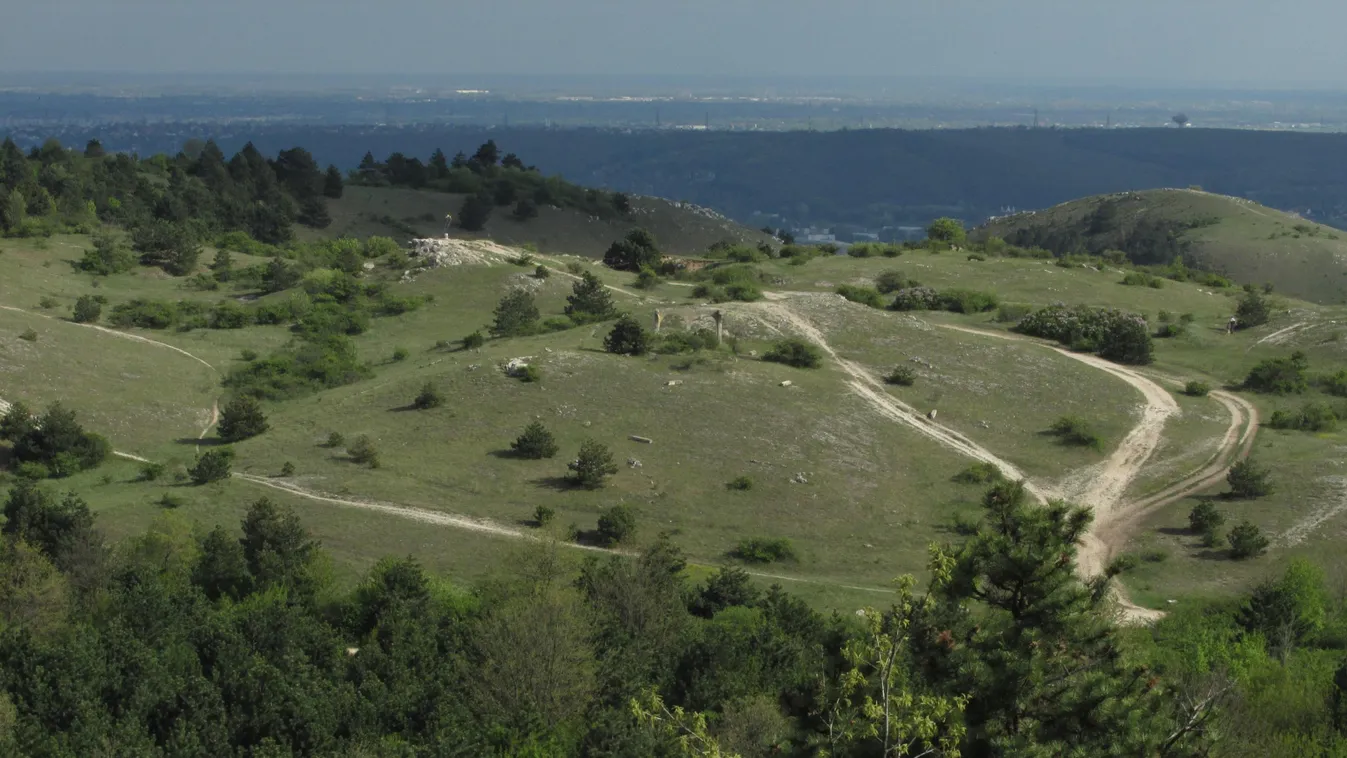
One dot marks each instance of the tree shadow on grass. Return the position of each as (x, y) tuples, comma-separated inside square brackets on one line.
[(1175, 531), (506, 454), (557, 483), (1212, 554)]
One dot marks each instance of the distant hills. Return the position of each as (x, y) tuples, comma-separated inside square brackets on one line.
[(1238, 238)]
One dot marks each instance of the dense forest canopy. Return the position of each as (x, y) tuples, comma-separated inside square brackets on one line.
[(236, 642)]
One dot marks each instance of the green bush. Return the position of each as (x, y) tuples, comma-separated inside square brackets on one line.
[(1196, 388), (980, 473), (535, 443), (334, 440), (915, 299), (1253, 310), (1311, 417), (172, 501), (400, 354), (968, 301), (764, 550), (363, 452), (1169, 331), (1248, 481), (543, 515), (862, 295), (152, 472), (28, 335), (616, 525), (88, 309), (627, 337), (594, 464), (211, 466), (312, 364), (902, 376), (1075, 431), (892, 281), (473, 341), (1142, 279), (647, 279), (740, 483), (1116, 335), (1334, 384), (287, 469), (146, 314), (531, 373), (429, 397), (1247, 541), (241, 419), (795, 352), (47, 303), (1205, 519), (1279, 376)]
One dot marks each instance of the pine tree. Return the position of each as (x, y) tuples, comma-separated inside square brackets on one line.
[(1033, 646), (535, 443), (516, 314), (592, 467), (589, 300), (242, 418), (628, 337), (333, 186), (439, 165)]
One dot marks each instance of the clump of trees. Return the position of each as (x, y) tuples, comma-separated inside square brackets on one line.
[(51, 444), (1280, 376), (1116, 335), (634, 252)]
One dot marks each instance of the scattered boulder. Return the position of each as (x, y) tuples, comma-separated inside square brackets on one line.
[(672, 383), (800, 478), (786, 383), (633, 463), (931, 415), (642, 440), (515, 366)]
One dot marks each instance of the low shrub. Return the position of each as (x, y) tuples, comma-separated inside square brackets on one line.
[(795, 352), (1116, 335), (1248, 481), (211, 466), (980, 473), (335, 440), (473, 341), (1247, 541), (1196, 388), (530, 373), (28, 335), (1310, 417), (146, 314), (543, 515), (739, 483), (1008, 313), (400, 354), (429, 397), (968, 301), (915, 299), (1169, 331), (862, 295), (363, 452), (764, 550), (152, 472), (1075, 431), (1142, 279), (1279, 376), (892, 281), (903, 376)]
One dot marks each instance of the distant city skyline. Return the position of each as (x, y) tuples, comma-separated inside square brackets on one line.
[(1293, 44)]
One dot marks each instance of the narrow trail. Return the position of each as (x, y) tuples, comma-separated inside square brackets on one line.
[(484, 526), (106, 330), (869, 388), (1276, 334)]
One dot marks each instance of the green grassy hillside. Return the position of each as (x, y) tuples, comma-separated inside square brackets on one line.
[(1238, 238), (878, 478), (402, 213)]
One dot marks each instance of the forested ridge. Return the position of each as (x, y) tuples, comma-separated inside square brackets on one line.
[(234, 641)]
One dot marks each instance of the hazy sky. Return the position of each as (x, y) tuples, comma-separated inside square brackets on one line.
[(1274, 43)]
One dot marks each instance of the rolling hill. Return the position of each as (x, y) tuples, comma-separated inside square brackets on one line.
[(680, 228), (1238, 238)]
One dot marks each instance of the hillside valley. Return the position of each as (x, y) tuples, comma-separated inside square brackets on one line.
[(661, 457)]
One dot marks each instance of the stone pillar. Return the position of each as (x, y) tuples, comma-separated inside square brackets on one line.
[(720, 325), (659, 321)]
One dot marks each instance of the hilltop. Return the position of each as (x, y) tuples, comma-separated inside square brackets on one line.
[(1231, 236)]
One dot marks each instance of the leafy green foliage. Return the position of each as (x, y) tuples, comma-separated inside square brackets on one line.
[(1204, 519), (1247, 480), (628, 337), (1279, 376), (795, 352), (1142, 279), (60, 529), (1116, 335), (594, 464), (862, 295), (312, 363), (892, 281), (980, 473), (1310, 417), (946, 230), (740, 484), (535, 443), (543, 515), (1196, 388), (109, 255), (475, 212), (212, 466), (473, 341)]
